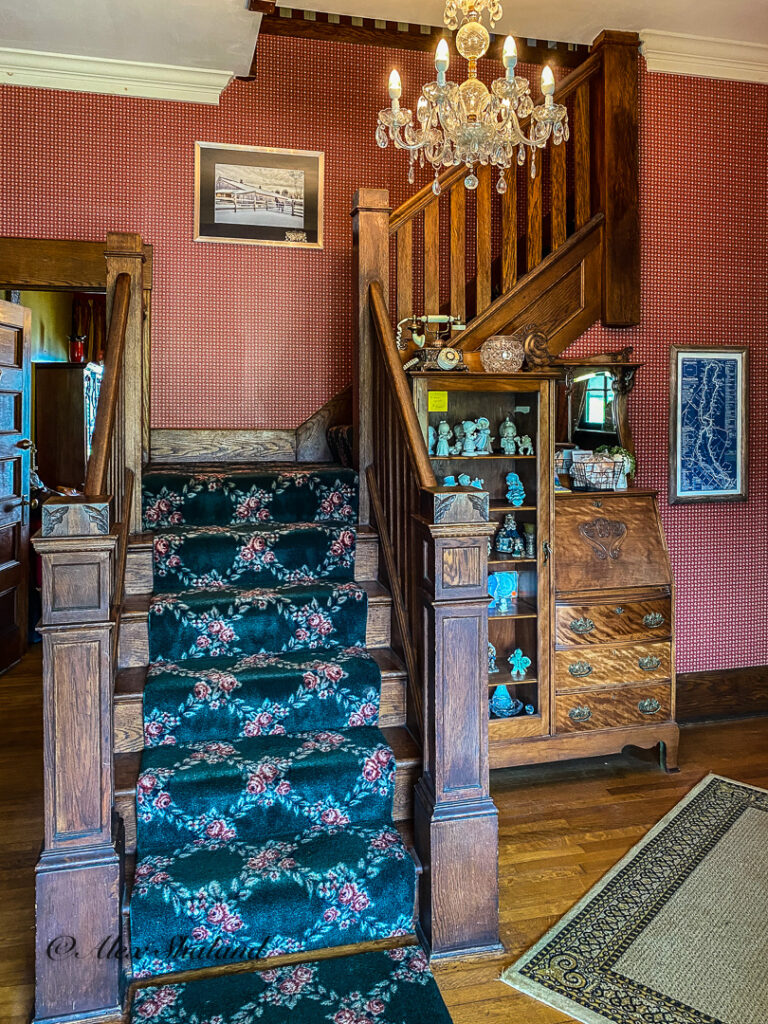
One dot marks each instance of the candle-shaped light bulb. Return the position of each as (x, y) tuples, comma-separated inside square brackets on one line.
[(395, 85), (509, 56), (422, 109), (442, 56), (548, 81)]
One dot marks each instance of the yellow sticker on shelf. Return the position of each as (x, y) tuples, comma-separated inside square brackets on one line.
[(438, 401)]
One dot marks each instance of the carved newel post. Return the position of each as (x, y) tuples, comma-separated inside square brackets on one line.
[(456, 822), (79, 879)]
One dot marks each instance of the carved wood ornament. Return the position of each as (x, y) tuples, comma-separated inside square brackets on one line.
[(604, 536)]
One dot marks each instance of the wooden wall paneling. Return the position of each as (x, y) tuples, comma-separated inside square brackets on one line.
[(533, 237), (370, 262), (58, 264), (617, 147), (722, 693), (190, 445), (432, 259), (509, 232), (557, 165), (458, 252), (405, 271), (483, 222), (581, 141)]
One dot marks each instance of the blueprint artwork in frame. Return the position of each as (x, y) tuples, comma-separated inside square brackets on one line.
[(708, 424)]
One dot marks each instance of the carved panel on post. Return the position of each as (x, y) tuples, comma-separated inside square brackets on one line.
[(79, 876), (456, 822)]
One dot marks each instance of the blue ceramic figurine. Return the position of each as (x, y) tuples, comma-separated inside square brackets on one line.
[(519, 664), (444, 434), (502, 705), (492, 666), (515, 490), (432, 436)]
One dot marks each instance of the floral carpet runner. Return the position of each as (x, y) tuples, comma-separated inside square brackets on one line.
[(264, 800)]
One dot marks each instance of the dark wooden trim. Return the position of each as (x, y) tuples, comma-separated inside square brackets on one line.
[(193, 445), (54, 264), (262, 6), (343, 29), (722, 693)]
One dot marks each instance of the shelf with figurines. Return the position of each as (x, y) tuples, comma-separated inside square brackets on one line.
[(512, 690)]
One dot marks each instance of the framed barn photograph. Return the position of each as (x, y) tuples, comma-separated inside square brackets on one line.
[(708, 423), (258, 196)]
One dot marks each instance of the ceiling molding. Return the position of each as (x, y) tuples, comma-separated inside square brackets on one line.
[(678, 54), (113, 77)]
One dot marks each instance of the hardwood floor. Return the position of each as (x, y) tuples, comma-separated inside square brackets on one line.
[(561, 827)]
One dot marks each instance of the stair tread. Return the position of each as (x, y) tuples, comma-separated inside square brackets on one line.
[(400, 741)]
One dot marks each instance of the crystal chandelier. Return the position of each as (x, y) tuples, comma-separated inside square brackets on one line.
[(468, 123)]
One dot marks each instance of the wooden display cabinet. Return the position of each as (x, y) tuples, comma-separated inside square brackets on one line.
[(528, 400)]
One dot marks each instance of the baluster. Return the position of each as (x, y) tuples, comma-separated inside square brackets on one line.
[(533, 246), (458, 252), (405, 271), (432, 258), (509, 231), (483, 228), (581, 160), (559, 200)]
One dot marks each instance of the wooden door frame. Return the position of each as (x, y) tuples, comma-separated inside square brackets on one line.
[(55, 264)]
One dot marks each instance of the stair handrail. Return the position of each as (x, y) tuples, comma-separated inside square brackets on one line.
[(97, 475)]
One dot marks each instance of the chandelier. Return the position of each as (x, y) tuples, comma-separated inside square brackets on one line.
[(468, 123)]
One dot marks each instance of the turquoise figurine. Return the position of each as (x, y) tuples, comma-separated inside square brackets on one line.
[(519, 664), (502, 705), (444, 434), (432, 436), (477, 483), (465, 480), (492, 666), (449, 481), (515, 490)]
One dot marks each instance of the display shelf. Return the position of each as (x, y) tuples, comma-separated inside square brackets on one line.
[(505, 678), (478, 458), (524, 609), (531, 562), (497, 507)]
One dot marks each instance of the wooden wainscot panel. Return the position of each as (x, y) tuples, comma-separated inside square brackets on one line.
[(223, 445), (460, 642), (610, 709), (606, 623), (77, 584), (576, 669), (609, 542), (461, 566)]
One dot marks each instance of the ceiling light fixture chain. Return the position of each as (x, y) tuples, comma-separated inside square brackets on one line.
[(469, 123)]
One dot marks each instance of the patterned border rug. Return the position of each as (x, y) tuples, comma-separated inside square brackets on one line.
[(674, 934)]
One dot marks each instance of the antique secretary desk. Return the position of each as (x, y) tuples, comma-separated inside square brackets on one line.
[(594, 609)]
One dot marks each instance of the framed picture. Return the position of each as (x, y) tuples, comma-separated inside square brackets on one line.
[(258, 196), (708, 423)]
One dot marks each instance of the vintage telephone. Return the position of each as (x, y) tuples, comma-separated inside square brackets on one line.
[(439, 328)]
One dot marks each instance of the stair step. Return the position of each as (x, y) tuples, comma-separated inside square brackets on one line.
[(140, 557), (129, 690), (133, 646), (402, 744)]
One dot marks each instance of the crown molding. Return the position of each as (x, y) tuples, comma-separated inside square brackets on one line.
[(674, 53), (114, 77)]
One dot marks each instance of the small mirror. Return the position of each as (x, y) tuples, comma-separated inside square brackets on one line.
[(592, 401)]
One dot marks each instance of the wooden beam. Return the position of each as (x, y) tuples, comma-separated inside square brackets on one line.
[(54, 264)]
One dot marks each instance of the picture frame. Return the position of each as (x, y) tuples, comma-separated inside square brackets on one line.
[(256, 195), (708, 423)]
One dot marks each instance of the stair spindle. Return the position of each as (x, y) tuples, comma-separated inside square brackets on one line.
[(581, 155), (458, 252), (557, 169), (509, 232), (533, 241), (405, 271), (483, 229), (432, 259)]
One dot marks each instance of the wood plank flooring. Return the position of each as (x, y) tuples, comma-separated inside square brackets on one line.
[(561, 828)]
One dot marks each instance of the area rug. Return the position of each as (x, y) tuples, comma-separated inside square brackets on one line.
[(677, 932), (393, 987)]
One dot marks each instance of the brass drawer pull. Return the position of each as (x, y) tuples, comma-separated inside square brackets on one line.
[(653, 620), (583, 625), (579, 669), (580, 714), (649, 706), (649, 664)]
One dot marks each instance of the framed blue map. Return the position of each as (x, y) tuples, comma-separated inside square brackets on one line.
[(708, 424)]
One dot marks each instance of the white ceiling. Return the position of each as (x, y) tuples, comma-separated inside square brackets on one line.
[(580, 22), (211, 34)]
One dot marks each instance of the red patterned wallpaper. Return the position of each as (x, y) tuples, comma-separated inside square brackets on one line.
[(245, 336)]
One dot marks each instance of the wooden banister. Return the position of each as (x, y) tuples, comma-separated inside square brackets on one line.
[(421, 199), (96, 480)]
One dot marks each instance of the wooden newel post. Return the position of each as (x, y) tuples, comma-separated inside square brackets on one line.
[(615, 129), (370, 262), (456, 822), (79, 876)]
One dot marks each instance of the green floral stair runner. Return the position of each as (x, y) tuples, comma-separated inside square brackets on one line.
[(264, 801)]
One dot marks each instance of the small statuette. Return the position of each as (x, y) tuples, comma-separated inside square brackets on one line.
[(508, 435), (519, 664), (529, 530), (492, 666), (525, 445), (449, 481), (458, 433), (444, 434), (530, 709), (484, 438), (515, 490), (469, 444), (477, 482), (507, 535), (502, 705), (432, 435), (464, 480), (502, 586)]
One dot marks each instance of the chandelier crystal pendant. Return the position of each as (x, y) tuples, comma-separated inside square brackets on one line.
[(470, 124)]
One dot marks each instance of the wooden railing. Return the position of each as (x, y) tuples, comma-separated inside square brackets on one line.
[(459, 251), (83, 545)]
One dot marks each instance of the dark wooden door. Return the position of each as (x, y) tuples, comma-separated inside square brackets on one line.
[(14, 480)]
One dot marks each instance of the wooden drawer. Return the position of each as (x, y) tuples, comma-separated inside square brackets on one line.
[(612, 666), (606, 623), (614, 708)]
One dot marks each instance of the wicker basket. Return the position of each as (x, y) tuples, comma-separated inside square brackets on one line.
[(597, 474)]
